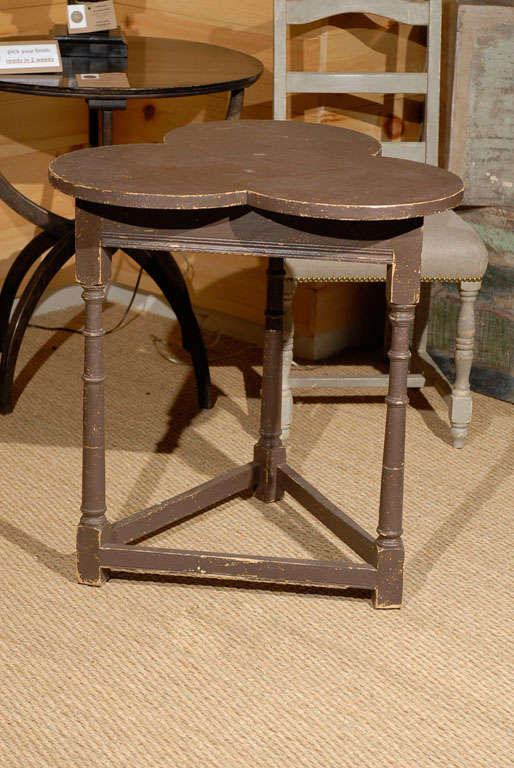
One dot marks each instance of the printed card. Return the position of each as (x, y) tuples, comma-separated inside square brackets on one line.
[(91, 17), (103, 80)]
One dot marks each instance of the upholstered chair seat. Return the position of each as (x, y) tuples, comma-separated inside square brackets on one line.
[(452, 252)]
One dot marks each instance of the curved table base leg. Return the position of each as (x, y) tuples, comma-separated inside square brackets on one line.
[(19, 268), (62, 251), (160, 266), (235, 105), (163, 269)]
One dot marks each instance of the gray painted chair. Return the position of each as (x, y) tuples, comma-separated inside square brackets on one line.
[(452, 251)]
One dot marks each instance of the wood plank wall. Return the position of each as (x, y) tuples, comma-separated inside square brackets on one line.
[(35, 129)]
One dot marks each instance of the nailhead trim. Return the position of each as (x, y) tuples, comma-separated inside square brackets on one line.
[(348, 279)]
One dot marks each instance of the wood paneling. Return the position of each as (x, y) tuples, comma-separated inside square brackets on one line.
[(35, 129)]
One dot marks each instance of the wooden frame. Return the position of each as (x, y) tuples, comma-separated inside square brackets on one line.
[(482, 116), (427, 13), (104, 547)]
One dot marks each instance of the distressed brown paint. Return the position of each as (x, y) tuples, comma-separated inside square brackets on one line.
[(271, 190), (269, 452)]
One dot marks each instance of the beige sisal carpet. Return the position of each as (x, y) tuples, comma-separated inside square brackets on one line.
[(155, 674)]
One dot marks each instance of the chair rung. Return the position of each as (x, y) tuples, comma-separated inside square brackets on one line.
[(414, 381), (357, 82)]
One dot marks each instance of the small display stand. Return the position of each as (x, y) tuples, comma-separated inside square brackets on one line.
[(109, 44)]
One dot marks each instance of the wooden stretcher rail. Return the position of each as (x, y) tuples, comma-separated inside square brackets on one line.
[(273, 570), (362, 543), (151, 520)]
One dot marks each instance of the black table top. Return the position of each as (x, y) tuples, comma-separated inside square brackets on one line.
[(157, 68)]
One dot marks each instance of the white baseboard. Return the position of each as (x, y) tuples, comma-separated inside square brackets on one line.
[(70, 296), (310, 348)]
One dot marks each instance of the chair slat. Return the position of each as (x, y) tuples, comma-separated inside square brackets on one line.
[(406, 11), (356, 82)]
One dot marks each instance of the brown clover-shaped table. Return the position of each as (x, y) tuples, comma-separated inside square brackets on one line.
[(277, 190)]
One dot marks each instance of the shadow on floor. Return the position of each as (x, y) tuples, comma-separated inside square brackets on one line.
[(58, 562), (420, 567)]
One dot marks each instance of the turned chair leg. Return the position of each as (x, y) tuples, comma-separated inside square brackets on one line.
[(421, 318), (460, 400), (287, 356)]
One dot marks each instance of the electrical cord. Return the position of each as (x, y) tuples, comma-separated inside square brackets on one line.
[(156, 340), (116, 327), (242, 349)]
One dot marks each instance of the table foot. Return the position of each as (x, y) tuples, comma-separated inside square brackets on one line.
[(388, 593), (38, 283), (89, 569), (94, 127)]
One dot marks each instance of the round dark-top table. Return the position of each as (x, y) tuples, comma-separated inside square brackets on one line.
[(155, 68)]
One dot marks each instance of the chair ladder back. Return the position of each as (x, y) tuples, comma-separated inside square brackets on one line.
[(431, 125), (426, 13), (279, 60)]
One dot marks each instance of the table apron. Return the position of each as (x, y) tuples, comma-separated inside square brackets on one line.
[(352, 252)]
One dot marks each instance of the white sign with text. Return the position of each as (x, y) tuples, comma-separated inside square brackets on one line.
[(36, 56)]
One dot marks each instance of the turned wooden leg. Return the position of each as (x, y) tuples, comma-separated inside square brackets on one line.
[(460, 400), (93, 520), (269, 451), (388, 593), (421, 318), (287, 356)]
